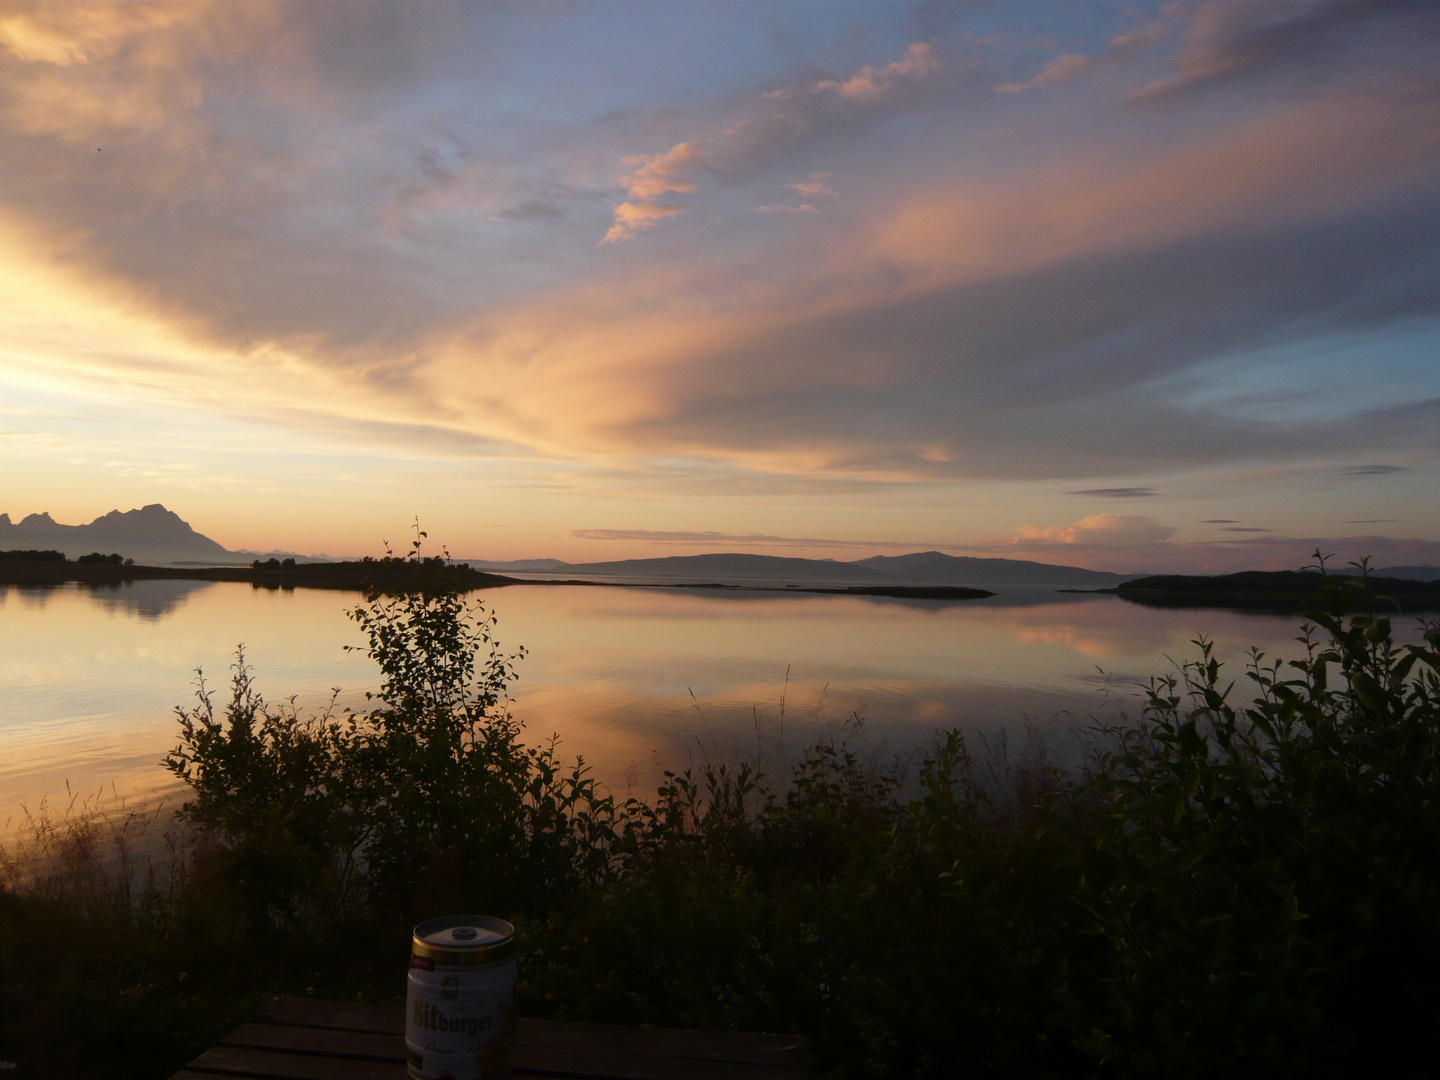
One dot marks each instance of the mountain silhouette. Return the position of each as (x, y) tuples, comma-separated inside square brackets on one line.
[(919, 568), (151, 534)]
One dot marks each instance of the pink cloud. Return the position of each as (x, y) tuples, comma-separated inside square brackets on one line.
[(1057, 70), (1100, 530), (777, 118), (631, 218), (803, 208), (872, 82)]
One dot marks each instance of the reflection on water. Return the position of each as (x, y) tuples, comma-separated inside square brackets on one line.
[(150, 600), (636, 680)]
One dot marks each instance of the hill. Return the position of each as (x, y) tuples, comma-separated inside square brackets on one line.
[(151, 534), (1281, 590), (1411, 573), (937, 568), (926, 568)]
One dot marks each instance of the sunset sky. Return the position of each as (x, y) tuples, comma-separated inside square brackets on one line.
[(1122, 285)]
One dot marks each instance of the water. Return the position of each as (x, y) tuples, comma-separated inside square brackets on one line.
[(636, 680)]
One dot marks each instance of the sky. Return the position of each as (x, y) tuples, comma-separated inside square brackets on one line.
[(1131, 286)]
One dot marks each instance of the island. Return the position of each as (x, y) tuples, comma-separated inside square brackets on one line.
[(1282, 591)]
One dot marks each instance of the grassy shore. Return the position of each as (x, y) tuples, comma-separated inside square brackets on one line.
[(1246, 888)]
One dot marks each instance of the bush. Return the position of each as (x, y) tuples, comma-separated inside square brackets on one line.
[(1267, 878), (432, 796)]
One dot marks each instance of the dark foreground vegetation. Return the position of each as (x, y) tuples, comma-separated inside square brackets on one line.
[(1232, 889)]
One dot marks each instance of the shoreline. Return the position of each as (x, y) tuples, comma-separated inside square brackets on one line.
[(388, 577)]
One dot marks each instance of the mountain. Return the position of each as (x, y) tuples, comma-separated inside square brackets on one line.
[(920, 568), (151, 535), (734, 567), (1408, 573), (937, 568), (523, 566)]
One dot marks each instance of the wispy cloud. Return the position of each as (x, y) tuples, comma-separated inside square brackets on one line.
[(776, 118), (872, 82), (1057, 70), (802, 208), (1118, 492), (1373, 470), (712, 539)]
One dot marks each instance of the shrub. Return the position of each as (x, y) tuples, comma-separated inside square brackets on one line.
[(1267, 878), (431, 794)]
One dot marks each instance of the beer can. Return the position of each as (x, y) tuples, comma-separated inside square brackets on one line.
[(460, 999)]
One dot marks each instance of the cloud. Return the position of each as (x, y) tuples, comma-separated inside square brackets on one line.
[(1100, 530), (631, 218), (711, 539), (529, 210), (802, 208), (777, 118), (815, 188), (1246, 529), (871, 82), (1123, 47), (1374, 470), (1056, 70), (1226, 39), (1117, 492)]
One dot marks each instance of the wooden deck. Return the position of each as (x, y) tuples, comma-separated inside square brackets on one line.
[(299, 1039)]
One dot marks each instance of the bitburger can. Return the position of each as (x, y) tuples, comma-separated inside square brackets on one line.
[(460, 999)]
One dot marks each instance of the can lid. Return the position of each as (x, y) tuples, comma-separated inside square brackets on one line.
[(464, 939)]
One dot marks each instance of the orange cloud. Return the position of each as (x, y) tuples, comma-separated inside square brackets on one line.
[(1100, 530), (631, 218)]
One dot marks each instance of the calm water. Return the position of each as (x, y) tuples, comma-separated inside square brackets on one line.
[(89, 679)]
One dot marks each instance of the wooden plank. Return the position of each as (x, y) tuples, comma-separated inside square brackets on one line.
[(303, 1039), (677, 1042), (584, 1060), (664, 1042), (337, 1015), (362, 1045), (598, 1065), (243, 1061)]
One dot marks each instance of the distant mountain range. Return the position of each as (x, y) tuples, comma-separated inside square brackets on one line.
[(152, 536), (920, 568), (148, 535), (156, 536)]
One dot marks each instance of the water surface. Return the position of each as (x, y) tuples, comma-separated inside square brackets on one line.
[(636, 680)]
